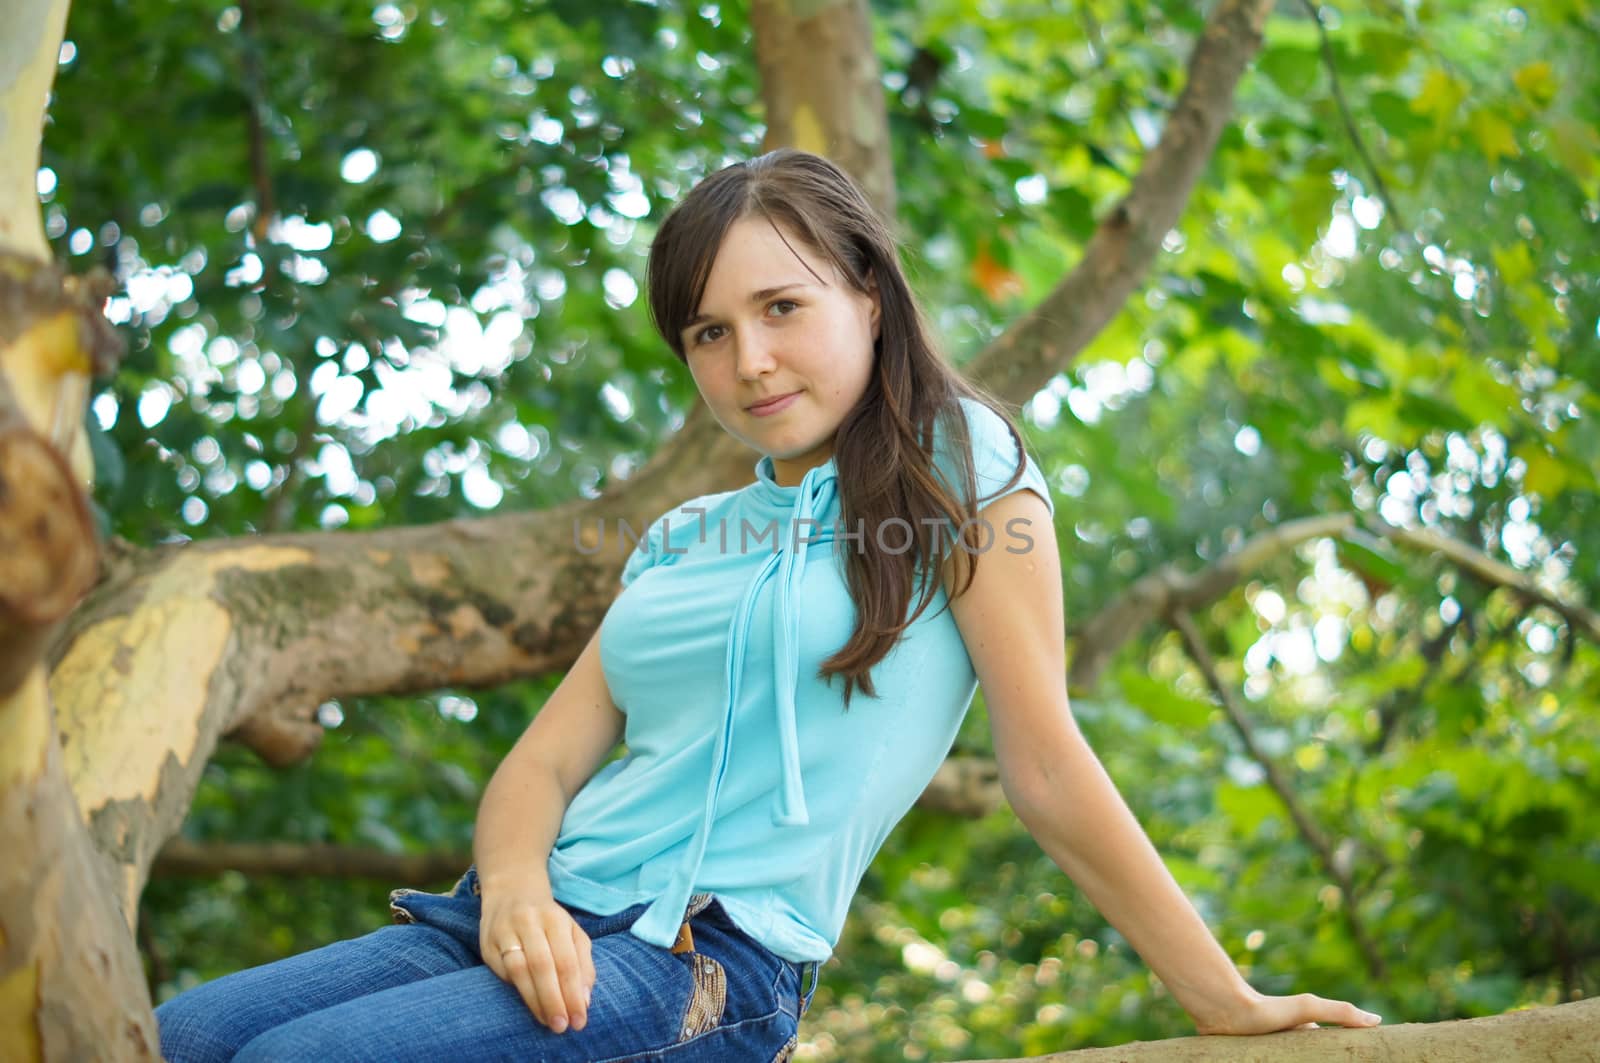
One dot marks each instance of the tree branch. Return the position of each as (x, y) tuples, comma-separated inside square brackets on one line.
[(1044, 341), (1307, 827), (1350, 129), (1492, 572), (1168, 588), (1562, 1032), (255, 116), (28, 52), (963, 786), (1401, 698), (181, 858)]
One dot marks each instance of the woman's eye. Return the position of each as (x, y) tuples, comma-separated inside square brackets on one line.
[(705, 334), (782, 306)]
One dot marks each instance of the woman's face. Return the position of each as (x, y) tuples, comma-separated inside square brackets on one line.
[(768, 329)]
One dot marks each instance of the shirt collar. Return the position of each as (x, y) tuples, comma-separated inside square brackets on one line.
[(768, 489)]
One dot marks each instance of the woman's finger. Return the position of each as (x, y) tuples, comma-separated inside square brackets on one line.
[(569, 977), (585, 959), (541, 965), (491, 958), (514, 965), (1336, 1012)]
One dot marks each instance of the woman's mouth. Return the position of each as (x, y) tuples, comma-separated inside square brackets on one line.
[(774, 405)]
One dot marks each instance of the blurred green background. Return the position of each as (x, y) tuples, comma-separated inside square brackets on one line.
[(381, 265)]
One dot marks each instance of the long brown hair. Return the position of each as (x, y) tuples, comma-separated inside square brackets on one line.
[(883, 448)]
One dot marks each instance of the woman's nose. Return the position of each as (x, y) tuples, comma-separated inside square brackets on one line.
[(753, 356)]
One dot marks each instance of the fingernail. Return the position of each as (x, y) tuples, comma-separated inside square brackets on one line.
[(560, 1024), (1373, 1016)]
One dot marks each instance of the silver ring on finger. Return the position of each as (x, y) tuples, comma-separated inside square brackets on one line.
[(514, 948)]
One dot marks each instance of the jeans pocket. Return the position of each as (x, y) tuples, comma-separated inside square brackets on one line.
[(420, 906), (786, 982), (708, 997)]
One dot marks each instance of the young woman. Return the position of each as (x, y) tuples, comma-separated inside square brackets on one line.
[(787, 665)]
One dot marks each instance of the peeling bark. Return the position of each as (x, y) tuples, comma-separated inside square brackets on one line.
[(71, 986), (28, 50)]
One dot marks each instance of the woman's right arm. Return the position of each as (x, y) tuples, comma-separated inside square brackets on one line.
[(518, 821)]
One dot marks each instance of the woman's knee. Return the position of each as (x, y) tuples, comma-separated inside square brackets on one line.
[(281, 1043), (193, 1032)]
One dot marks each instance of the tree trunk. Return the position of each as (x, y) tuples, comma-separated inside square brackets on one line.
[(823, 88), (71, 986)]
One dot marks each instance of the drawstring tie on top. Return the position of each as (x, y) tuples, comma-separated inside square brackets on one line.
[(817, 490)]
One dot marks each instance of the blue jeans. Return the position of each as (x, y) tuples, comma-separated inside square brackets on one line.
[(420, 991)]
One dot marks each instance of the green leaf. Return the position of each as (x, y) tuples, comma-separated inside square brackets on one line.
[(1441, 94), (1537, 83), (1389, 52), (1160, 702), (1293, 70), (1247, 807), (1493, 133)]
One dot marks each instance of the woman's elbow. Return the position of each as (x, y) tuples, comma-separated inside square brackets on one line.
[(1034, 795)]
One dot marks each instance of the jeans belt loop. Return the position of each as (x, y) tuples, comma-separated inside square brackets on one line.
[(810, 971), (697, 904)]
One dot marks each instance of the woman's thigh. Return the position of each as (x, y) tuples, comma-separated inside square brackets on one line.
[(213, 1021), (726, 1000)]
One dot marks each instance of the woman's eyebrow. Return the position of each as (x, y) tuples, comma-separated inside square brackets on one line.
[(759, 296)]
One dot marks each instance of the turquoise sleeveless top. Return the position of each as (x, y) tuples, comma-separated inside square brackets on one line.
[(743, 774)]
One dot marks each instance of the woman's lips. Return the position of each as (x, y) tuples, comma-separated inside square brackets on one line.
[(775, 405)]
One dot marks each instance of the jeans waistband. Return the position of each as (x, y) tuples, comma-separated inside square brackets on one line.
[(809, 971)]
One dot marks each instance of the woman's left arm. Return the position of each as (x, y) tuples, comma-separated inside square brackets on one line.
[(1011, 620)]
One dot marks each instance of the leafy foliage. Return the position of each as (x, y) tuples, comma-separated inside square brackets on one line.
[(381, 266)]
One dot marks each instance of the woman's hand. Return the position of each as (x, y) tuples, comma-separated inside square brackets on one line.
[(532, 942), (1257, 1013)]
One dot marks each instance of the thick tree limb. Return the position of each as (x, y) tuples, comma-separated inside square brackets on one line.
[(1564, 1032), (28, 51), (52, 337), (181, 858), (1307, 827)]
